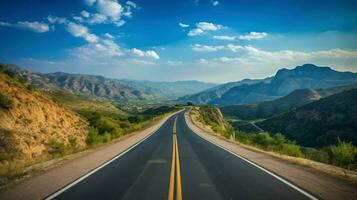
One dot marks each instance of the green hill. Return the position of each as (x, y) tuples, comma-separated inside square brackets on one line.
[(319, 123), (291, 101)]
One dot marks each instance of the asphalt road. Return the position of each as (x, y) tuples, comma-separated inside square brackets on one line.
[(207, 172)]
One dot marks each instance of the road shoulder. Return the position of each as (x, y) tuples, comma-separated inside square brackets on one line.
[(318, 183), (73, 167)]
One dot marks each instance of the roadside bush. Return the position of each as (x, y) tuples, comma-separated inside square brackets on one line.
[(92, 137), (56, 147), (291, 150), (72, 143), (278, 140), (343, 154), (5, 102), (243, 137), (320, 155), (263, 139)]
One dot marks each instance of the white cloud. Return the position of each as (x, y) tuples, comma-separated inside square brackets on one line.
[(85, 13), (195, 32), (109, 36), (201, 27), (97, 19), (98, 52), (78, 19), (56, 20), (132, 4), (206, 48), (252, 56), (215, 3), (38, 27), (206, 26), (109, 11), (119, 23), (184, 25), (78, 30), (253, 36), (110, 8), (149, 53), (224, 37), (234, 48)]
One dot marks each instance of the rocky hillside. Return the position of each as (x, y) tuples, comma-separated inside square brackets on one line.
[(99, 87), (210, 118), (33, 126), (291, 101), (80, 104), (319, 123), (284, 82)]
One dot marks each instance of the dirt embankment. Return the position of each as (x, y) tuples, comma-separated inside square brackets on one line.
[(33, 126)]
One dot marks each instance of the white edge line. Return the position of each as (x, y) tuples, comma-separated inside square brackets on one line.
[(261, 168), (101, 166)]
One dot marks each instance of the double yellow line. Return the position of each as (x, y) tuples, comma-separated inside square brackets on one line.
[(175, 173)]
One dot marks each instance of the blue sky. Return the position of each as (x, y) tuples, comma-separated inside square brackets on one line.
[(215, 41)]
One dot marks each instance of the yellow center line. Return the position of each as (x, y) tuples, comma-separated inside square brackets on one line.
[(178, 173), (172, 171), (175, 178)]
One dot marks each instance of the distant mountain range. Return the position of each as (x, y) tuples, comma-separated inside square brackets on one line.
[(291, 101), (207, 96), (99, 87), (284, 82), (319, 123)]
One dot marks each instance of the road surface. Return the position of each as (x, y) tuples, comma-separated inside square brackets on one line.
[(178, 166)]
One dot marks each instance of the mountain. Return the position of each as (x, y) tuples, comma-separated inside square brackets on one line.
[(211, 94), (284, 82), (80, 104), (173, 90), (319, 123), (291, 101), (99, 87), (32, 125)]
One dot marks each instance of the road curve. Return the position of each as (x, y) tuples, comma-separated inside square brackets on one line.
[(206, 172)]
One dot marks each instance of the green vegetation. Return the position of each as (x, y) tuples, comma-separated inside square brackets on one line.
[(5, 102), (212, 117), (58, 149), (105, 127), (341, 154), (320, 123)]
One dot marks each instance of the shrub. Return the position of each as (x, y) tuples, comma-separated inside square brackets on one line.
[(92, 137), (56, 147), (291, 150), (278, 139), (343, 154), (5, 102), (263, 139), (30, 87), (321, 155), (9, 73), (72, 143)]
